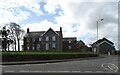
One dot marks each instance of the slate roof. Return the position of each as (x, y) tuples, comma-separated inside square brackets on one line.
[(69, 38), (102, 40), (39, 33), (50, 29), (34, 34)]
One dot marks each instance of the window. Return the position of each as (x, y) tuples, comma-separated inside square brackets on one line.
[(53, 38), (47, 46), (69, 47), (69, 41), (53, 46), (47, 38), (28, 48), (33, 47), (39, 38), (94, 50), (38, 46), (33, 39)]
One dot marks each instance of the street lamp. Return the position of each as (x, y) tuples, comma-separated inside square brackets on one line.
[(97, 33), (97, 27)]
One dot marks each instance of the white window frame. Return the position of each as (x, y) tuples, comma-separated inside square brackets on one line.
[(28, 47), (69, 47), (39, 38), (95, 50), (33, 48), (38, 46), (46, 46), (53, 45), (47, 38), (70, 41), (53, 38)]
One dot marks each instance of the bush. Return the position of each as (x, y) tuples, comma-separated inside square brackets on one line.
[(36, 56)]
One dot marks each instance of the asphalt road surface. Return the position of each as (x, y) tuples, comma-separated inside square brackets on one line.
[(109, 64)]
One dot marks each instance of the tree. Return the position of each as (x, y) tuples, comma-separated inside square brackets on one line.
[(12, 29), (17, 33), (6, 40)]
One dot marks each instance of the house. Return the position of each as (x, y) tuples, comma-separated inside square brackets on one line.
[(49, 40), (0, 44), (103, 46), (69, 44), (82, 47)]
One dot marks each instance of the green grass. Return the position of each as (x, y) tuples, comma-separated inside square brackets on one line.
[(41, 53)]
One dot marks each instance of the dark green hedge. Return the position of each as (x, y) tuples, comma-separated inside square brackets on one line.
[(9, 58)]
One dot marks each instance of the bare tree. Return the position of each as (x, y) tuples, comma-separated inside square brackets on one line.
[(17, 33), (12, 29)]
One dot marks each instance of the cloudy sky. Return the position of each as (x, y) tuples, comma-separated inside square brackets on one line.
[(77, 18)]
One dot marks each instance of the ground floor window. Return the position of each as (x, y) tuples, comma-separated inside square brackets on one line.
[(69, 47), (33, 48), (38, 46), (53, 46), (28, 47), (47, 46)]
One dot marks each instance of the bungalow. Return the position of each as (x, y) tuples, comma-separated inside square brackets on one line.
[(103, 46)]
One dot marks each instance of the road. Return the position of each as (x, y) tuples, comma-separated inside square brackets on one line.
[(109, 64)]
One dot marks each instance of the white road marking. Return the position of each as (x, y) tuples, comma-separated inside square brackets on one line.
[(110, 67), (113, 67), (88, 71), (99, 71), (103, 66)]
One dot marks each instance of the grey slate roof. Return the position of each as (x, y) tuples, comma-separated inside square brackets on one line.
[(34, 34), (101, 40), (69, 38), (39, 33)]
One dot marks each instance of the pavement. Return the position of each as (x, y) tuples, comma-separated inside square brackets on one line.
[(48, 61)]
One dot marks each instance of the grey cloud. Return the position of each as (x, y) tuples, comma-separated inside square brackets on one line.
[(91, 12)]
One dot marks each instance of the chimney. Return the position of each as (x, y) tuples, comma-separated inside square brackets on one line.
[(28, 30), (61, 29)]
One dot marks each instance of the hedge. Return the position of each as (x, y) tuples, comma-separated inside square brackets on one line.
[(38, 57)]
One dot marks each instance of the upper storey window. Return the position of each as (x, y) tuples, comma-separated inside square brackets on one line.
[(39, 38), (53, 38), (47, 38)]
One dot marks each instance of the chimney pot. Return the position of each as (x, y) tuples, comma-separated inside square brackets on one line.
[(28, 30)]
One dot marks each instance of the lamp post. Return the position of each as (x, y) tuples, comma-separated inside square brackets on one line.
[(97, 27), (97, 33)]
